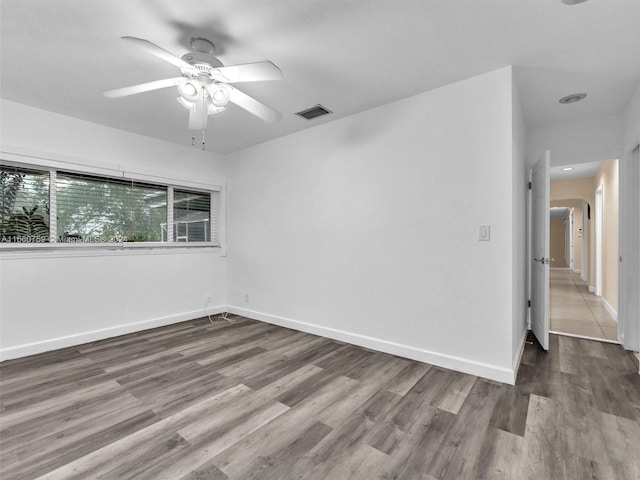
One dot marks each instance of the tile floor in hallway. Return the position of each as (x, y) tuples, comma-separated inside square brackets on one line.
[(575, 310)]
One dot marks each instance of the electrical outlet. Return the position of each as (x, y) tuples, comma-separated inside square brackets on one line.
[(246, 298), (484, 234)]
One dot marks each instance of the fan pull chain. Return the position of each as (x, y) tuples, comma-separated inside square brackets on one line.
[(203, 142), (193, 140)]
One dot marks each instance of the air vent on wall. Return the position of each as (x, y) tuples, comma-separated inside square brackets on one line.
[(314, 112)]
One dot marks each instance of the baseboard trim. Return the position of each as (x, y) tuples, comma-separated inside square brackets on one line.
[(480, 369), (592, 289), (610, 309), (79, 338), (576, 270)]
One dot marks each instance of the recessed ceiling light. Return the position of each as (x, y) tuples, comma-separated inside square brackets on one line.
[(573, 98), (572, 2), (567, 169)]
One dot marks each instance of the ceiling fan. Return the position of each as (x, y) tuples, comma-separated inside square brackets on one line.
[(204, 87)]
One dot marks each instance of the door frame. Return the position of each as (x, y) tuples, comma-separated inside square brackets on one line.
[(598, 239), (628, 319), (566, 260), (629, 256), (586, 244), (572, 260)]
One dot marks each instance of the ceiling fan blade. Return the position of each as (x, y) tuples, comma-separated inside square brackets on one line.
[(250, 72), (143, 87), (161, 53), (199, 113), (253, 106)]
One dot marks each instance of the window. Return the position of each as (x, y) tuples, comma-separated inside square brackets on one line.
[(24, 206), (191, 216), (100, 210), (50, 206)]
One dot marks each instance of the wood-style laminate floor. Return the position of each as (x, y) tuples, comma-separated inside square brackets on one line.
[(196, 401)]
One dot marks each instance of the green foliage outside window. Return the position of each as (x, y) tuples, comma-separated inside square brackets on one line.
[(24, 206)]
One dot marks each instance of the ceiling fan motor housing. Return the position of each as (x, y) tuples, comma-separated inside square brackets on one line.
[(202, 62), (202, 45)]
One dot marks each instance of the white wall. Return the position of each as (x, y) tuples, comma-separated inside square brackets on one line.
[(608, 177), (366, 228), (519, 215), (578, 142), (631, 122), (50, 300)]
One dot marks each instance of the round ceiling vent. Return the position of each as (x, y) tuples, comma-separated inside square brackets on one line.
[(573, 98), (572, 2)]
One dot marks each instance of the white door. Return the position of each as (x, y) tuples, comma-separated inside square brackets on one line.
[(540, 250)]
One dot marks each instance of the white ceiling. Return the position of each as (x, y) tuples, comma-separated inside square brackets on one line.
[(557, 213), (350, 56), (580, 170)]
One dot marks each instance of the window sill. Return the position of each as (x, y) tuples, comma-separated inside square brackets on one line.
[(56, 250)]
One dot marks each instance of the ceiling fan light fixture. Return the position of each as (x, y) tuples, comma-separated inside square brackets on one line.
[(220, 95), (188, 91), (567, 169), (212, 109), (186, 104)]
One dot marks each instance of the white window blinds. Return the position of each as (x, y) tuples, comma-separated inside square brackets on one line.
[(103, 210), (192, 220)]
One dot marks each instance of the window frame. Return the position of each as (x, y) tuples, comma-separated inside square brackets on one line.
[(217, 210)]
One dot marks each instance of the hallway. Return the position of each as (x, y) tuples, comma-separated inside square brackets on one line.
[(575, 310)]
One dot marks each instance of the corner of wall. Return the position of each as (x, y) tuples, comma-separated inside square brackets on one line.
[(519, 216)]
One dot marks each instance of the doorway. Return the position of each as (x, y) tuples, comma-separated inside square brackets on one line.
[(583, 294)]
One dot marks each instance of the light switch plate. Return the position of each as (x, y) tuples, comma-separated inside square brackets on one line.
[(484, 234)]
